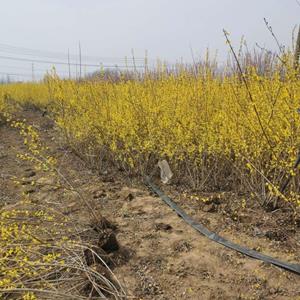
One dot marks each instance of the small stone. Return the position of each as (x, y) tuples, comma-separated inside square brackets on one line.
[(29, 190), (99, 194), (257, 232), (209, 208), (129, 197), (108, 242), (26, 182), (164, 227), (215, 200), (30, 173)]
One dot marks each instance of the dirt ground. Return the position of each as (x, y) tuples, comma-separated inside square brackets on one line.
[(163, 257)]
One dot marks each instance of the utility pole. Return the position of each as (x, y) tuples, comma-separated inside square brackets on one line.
[(69, 64), (297, 51), (32, 69), (79, 61), (76, 69)]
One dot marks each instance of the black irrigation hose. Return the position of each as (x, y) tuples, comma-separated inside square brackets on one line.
[(215, 237)]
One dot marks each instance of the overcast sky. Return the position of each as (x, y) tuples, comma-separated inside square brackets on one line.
[(167, 29)]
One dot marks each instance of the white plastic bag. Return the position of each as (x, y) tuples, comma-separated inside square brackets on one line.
[(165, 171)]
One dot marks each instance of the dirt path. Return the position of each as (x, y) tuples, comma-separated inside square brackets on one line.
[(163, 257)]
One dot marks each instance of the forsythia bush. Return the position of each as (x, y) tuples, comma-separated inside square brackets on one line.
[(2, 106), (31, 94), (216, 132)]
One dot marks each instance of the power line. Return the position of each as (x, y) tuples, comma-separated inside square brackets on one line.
[(66, 63), (41, 72), (60, 55), (16, 74), (25, 68), (27, 75)]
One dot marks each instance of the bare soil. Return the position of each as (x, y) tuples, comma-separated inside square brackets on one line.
[(161, 257)]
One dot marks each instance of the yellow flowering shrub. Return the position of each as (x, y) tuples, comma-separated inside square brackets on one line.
[(32, 94), (2, 107), (216, 132)]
